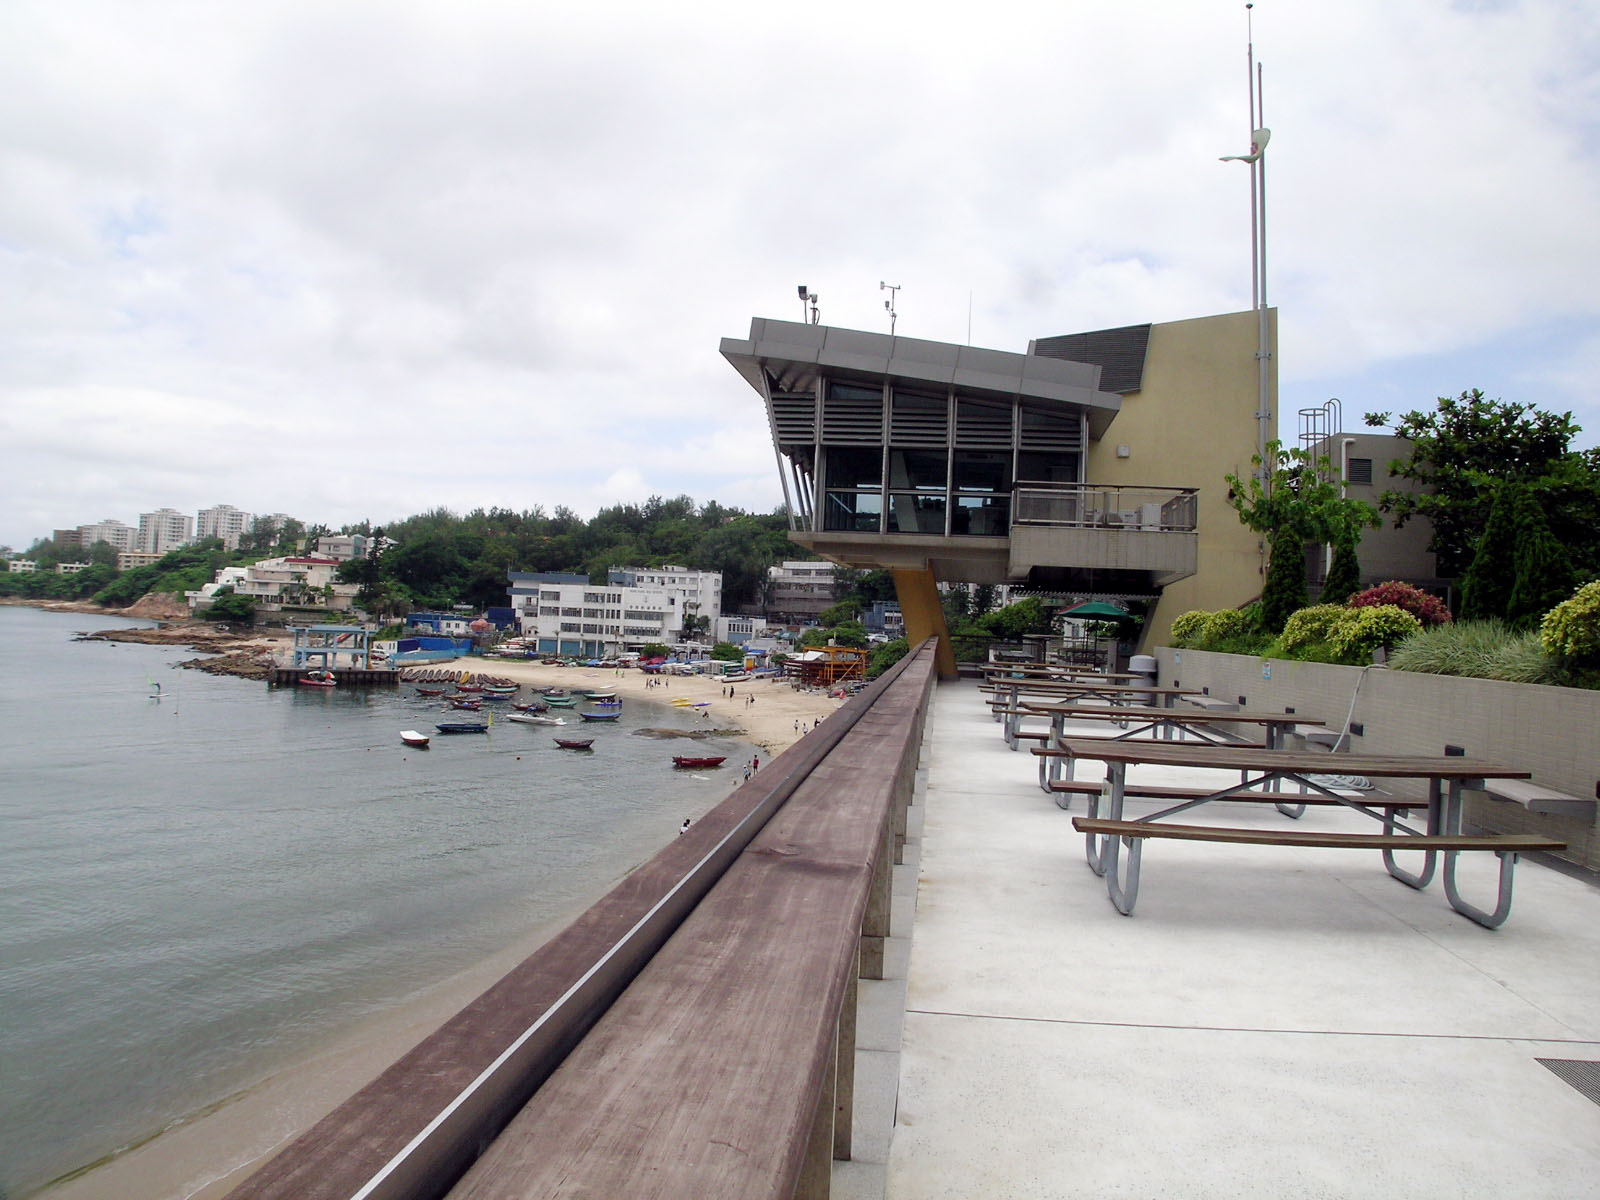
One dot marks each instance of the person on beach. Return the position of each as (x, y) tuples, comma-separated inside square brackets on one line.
[(684, 828)]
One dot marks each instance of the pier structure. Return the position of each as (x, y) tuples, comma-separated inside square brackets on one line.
[(345, 651)]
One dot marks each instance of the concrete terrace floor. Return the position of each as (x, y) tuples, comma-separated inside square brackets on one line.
[(1269, 1022)]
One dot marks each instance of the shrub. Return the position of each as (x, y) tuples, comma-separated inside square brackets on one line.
[(1226, 625), (1363, 630), (1311, 625), (1427, 609), (1486, 585), (1476, 650), (1544, 568), (886, 655), (1187, 627), (1570, 631)]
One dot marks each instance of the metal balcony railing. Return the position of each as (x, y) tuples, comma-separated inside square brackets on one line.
[(1083, 506)]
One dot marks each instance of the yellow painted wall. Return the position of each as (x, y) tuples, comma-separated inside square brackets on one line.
[(1193, 421)]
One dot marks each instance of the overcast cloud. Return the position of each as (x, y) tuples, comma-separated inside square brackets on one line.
[(357, 260)]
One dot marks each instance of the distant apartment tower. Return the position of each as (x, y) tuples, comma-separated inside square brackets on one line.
[(223, 521), (164, 531), (119, 536), (799, 592)]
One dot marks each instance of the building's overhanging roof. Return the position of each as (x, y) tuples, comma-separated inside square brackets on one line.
[(795, 354)]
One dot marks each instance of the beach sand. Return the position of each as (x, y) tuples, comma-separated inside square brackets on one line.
[(209, 1153)]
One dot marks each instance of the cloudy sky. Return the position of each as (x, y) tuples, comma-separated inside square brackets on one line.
[(355, 260)]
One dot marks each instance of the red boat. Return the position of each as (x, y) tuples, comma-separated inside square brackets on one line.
[(469, 687), (430, 691), (318, 679), (469, 705), (692, 763), (574, 743)]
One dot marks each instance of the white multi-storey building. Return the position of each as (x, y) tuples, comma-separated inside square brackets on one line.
[(739, 630), (343, 546), (700, 591), (566, 614), (798, 592), (278, 582), (118, 535), (222, 521), (164, 531)]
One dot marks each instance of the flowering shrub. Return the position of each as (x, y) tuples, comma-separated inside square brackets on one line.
[(1362, 630), (1428, 609), (1187, 628), (1571, 630), (1226, 624), (1310, 625)]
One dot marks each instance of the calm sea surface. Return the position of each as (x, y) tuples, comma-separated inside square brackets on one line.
[(197, 888)]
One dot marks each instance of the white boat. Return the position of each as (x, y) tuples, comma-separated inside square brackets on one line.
[(535, 719), (412, 738)]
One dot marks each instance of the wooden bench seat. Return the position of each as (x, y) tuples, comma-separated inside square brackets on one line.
[(1516, 843), (1105, 837), (1537, 798)]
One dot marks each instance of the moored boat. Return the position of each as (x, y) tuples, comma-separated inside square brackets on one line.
[(599, 716), (412, 737), (533, 707), (562, 701), (501, 689), (422, 691), (575, 743), (324, 679), (461, 727), (469, 705), (535, 719), (694, 762)]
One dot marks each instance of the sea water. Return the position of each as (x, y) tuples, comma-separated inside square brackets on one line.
[(200, 882)]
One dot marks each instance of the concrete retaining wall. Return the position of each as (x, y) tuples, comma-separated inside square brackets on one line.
[(1553, 732)]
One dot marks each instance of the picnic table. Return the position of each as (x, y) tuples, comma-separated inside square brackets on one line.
[(1166, 723), (1446, 776), (1007, 699)]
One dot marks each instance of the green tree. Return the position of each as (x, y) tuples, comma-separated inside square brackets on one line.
[(1344, 574), (1469, 443), (1486, 586), (1544, 574), (727, 652), (845, 610), (227, 605), (1294, 500)]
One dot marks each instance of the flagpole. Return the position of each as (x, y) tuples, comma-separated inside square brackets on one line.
[(1250, 80)]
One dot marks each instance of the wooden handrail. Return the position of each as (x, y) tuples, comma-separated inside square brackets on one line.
[(414, 1130)]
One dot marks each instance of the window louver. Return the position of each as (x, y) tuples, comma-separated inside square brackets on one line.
[(853, 417), (1045, 431), (918, 420), (794, 415), (983, 426)]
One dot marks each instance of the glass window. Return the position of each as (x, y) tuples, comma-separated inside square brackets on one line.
[(1034, 467), (982, 471), (909, 513), (920, 469), (981, 516), (854, 467), (856, 512)]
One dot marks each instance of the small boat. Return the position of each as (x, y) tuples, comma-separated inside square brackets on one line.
[(501, 689), (461, 727), (318, 679), (469, 705), (495, 697), (533, 707), (430, 691), (599, 716), (412, 738), (553, 691), (597, 694), (535, 719), (575, 743), (562, 701), (691, 762)]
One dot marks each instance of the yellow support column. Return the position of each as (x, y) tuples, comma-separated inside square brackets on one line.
[(919, 604)]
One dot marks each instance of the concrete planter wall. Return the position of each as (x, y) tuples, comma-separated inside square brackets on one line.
[(1553, 732)]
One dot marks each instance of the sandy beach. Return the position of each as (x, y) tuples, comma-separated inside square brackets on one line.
[(209, 1153)]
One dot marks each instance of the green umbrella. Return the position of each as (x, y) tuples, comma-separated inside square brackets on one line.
[(1098, 610)]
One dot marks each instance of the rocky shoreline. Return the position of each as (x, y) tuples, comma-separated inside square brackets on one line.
[(242, 655)]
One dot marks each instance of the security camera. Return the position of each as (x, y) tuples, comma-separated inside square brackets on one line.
[(802, 290)]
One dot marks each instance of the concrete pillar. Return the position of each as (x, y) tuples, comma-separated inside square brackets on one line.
[(924, 615)]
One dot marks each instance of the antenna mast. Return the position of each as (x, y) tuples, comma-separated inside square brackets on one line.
[(888, 305)]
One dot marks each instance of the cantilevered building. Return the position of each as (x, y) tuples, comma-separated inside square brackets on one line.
[(1092, 463)]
